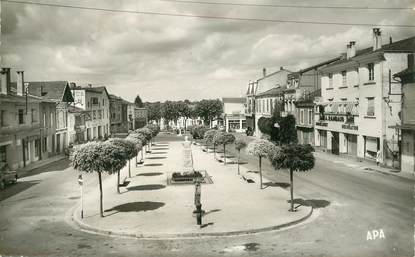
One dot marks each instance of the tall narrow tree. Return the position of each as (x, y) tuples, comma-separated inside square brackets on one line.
[(259, 148), (240, 143), (294, 158)]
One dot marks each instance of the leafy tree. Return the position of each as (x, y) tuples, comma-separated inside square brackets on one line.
[(154, 111), (147, 133), (183, 110), (169, 111), (209, 109), (260, 148), (295, 158), (138, 146), (130, 150), (265, 125), (208, 137), (240, 143), (88, 158), (198, 131), (114, 158), (138, 102), (223, 138), (287, 130), (143, 140)]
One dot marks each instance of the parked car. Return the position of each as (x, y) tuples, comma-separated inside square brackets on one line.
[(7, 176)]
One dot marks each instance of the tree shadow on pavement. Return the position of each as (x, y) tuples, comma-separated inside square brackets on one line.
[(146, 187), (160, 148), (136, 207), (149, 174), (211, 211), (50, 167), (276, 184), (153, 164), (17, 188), (312, 203), (157, 158), (208, 224), (158, 152)]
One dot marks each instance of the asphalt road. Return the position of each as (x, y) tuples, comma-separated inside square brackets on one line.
[(349, 203)]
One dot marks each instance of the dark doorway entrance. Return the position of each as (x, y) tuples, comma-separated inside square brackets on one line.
[(335, 143)]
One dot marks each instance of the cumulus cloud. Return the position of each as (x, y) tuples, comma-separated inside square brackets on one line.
[(162, 57)]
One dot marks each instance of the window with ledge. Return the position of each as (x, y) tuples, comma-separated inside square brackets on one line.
[(33, 113), (371, 71), (302, 117), (344, 79), (94, 100), (310, 117), (370, 106), (330, 80), (21, 116)]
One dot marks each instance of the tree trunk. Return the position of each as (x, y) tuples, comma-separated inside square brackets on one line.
[(224, 154), (129, 168), (239, 156), (214, 151), (142, 155), (101, 208), (118, 181), (292, 189), (260, 173), (136, 161)]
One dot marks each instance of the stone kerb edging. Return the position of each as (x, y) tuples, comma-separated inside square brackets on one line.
[(87, 228)]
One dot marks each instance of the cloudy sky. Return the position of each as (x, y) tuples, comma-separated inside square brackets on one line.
[(174, 58)]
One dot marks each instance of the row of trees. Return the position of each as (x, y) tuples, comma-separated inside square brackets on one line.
[(112, 155), (207, 110), (283, 154)]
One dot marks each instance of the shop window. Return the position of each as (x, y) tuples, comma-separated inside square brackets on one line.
[(3, 154), (45, 144), (37, 147)]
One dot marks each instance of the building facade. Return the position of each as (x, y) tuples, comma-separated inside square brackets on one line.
[(60, 93), (360, 102), (250, 105), (302, 87), (27, 124), (269, 95), (118, 115), (234, 114), (407, 79), (94, 101)]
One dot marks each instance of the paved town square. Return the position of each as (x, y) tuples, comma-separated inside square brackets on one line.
[(207, 128)]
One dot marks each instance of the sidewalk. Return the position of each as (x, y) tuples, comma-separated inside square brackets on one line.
[(23, 172), (149, 208), (352, 162)]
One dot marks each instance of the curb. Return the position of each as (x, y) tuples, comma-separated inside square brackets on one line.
[(75, 218)]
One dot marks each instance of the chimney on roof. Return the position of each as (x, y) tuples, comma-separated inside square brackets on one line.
[(264, 72), (390, 40), (377, 39), (347, 51), (5, 81), (352, 49), (281, 68), (90, 85), (20, 83)]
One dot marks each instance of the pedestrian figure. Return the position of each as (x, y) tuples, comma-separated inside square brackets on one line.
[(378, 157)]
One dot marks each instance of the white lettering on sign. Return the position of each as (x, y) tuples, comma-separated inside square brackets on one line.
[(375, 234)]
